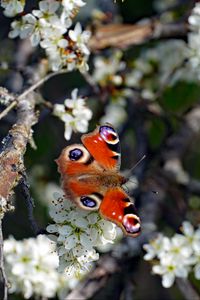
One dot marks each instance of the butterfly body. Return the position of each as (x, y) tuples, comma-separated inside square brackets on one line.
[(91, 178)]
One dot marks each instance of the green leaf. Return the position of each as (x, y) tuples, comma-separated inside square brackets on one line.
[(180, 97)]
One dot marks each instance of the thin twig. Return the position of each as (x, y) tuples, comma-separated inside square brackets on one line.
[(2, 269), (8, 108), (29, 90), (40, 82), (88, 78), (187, 289)]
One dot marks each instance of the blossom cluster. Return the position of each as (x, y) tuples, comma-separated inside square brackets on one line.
[(74, 114), (194, 40), (108, 75), (31, 267), (12, 7), (156, 67), (77, 233), (176, 256), (48, 27), (106, 69)]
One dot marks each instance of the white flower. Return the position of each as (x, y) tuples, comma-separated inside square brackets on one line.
[(41, 23), (48, 26), (156, 66), (74, 114), (105, 69), (76, 233), (71, 5), (156, 247), (53, 41), (193, 236), (80, 38), (48, 17), (115, 113), (175, 256), (193, 42), (169, 268), (31, 266), (46, 7), (178, 249), (12, 7), (28, 26)]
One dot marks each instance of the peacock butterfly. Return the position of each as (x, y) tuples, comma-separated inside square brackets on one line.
[(91, 178)]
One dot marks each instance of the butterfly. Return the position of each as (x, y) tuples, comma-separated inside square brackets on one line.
[(91, 178)]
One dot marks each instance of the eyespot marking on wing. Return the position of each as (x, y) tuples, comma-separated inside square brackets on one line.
[(77, 153), (109, 135), (90, 202), (131, 224)]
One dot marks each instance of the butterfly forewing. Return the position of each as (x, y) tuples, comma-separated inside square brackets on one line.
[(103, 144)]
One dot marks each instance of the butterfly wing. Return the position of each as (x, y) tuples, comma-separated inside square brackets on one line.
[(103, 144), (83, 170), (117, 207), (79, 173)]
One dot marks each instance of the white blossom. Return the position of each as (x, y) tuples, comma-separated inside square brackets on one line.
[(74, 114), (31, 266), (115, 114), (80, 38), (77, 233), (192, 235), (106, 69), (12, 7), (71, 5), (48, 26), (157, 66), (155, 247), (170, 268), (193, 42), (176, 256)]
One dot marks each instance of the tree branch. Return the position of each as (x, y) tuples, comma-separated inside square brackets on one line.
[(11, 158), (125, 35)]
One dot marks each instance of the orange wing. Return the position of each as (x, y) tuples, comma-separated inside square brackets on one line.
[(117, 207), (103, 144), (79, 173)]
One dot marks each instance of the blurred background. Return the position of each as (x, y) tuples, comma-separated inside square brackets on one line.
[(149, 90)]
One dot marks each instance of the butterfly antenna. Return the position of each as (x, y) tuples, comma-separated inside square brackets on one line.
[(139, 161)]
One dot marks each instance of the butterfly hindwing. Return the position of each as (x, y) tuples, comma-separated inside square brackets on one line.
[(117, 207)]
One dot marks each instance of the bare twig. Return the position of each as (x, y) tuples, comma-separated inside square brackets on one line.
[(2, 269), (96, 280), (28, 91), (7, 109), (187, 289), (39, 83)]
